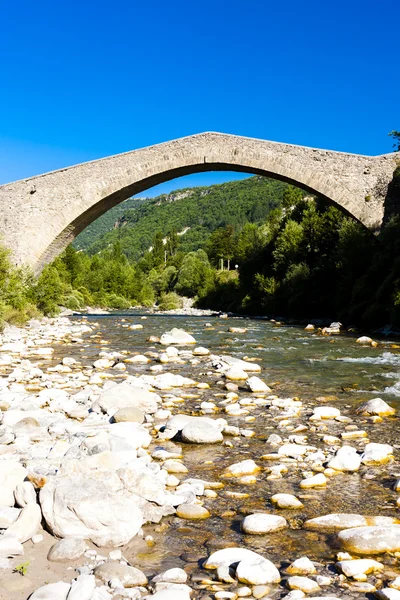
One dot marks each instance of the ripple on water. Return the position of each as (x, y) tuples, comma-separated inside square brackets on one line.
[(393, 389), (386, 358)]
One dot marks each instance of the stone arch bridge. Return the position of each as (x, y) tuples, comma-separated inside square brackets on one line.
[(41, 215)]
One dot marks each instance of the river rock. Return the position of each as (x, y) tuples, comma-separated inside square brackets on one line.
[(11, 474), (286, 501), (230, 556), (179, 422), (85, 507), (301, 566), (27, 524), (371, 540), (325, 412), (364, 340), (257, 385), (235, 373), (292, 450), (130, 414), (376, 454), (169, 594), (261, 523), (241, 364), (257, 571), (127, 575), (10, 546), (306, 585), (67, 549), (133, 434), (124, 395), (345, 459), (24, 494), (201, 432), (82, 587), (192, 511), (8, 516), (176, 336), (388, 594), (175, 575), (338, 521), (52, 591), (318, 480), (245, 467), (138, 359), (376, 406), (360, 566), (200, 351), (168, 381), (144, 484)]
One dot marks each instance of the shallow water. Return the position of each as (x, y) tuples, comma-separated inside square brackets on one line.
[(294, 363)]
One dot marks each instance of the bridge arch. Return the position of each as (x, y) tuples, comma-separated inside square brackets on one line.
[(43, 214)]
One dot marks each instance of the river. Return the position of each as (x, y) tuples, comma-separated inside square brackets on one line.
[(328, 371), (294, 363)]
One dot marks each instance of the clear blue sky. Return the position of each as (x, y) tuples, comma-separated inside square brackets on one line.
[(84, 79)]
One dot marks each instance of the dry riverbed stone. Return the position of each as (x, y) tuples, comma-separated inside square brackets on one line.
[(67, 549), (128, 576), (131, 414)]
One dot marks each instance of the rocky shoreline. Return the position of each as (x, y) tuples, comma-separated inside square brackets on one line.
[(92, 454)]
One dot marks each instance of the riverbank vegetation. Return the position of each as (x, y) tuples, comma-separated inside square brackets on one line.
[(282, 253)]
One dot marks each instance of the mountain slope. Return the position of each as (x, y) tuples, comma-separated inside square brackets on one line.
[(201, 209)]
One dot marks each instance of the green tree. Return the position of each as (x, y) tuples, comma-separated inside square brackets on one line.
[(291, 197), (195, 276), (158, 251), (289, 246), (221, 244), (396, 138), (172, 244), (48, 291)]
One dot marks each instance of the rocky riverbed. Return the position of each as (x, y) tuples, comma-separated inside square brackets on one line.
[(170, 458)]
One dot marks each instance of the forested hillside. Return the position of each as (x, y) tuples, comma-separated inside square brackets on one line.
[(106, 223), (201, 209)]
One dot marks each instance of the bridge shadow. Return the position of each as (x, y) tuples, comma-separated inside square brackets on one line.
[(392, 199)]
